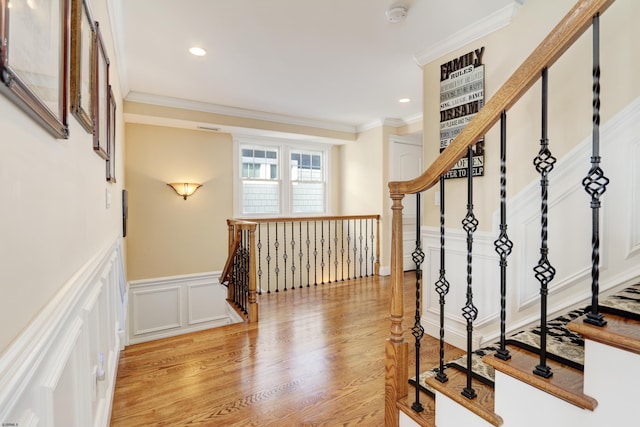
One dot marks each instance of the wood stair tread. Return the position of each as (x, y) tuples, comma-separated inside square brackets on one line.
[(482, 405), (619, 332), (566, 382), (425, 418)]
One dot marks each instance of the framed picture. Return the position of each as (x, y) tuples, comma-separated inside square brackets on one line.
[(81, 69), (111, 138), (33, 60), (100, 96)]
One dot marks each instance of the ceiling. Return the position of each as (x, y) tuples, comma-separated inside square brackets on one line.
[(337, 63)]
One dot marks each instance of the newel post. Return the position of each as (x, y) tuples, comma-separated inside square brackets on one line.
[(232, 236), (253, 304), (396, 350)]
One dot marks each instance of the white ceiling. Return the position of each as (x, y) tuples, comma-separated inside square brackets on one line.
[(339, 63)]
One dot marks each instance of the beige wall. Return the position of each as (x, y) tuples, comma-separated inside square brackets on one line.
[(364, 181), (54, 214), (570, 97), (167, 235)]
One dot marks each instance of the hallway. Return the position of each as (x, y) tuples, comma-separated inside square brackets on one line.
[(316, 358)]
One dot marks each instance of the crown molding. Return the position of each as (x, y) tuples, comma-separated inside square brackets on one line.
[(165, 101), (390, 121), (477, 30)]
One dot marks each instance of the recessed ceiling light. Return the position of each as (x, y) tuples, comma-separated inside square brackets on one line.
[(404, 100), (197, 51)]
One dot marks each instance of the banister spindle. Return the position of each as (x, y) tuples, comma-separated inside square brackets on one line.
[(595, 183), (285, 257), (544, 271), (418, 329), (442, 286), (503, 245), (259, 247), (269, 258), (469, 311)]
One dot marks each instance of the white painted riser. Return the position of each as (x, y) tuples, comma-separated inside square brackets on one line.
[(611, 377)]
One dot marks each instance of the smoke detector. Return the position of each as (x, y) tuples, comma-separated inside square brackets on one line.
[(396, 14)]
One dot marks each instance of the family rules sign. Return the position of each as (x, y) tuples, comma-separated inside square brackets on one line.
[(461, 97)]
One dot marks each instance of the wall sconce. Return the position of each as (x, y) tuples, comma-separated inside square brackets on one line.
[(184, 189)]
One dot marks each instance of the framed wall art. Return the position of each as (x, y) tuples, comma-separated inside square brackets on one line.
[(33, 60), (100, 96), (111, 138), (81, 63)]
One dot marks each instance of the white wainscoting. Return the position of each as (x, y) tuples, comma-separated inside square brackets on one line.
[(52, 375), (569, 241), (169, 306)]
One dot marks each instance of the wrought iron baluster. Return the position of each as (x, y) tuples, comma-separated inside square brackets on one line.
[(308, 242), (503, 245), (293, 257), (342, 250), (329, 250), (469, 311), (366, 248), (544, 271), (335, 241), (373, 251), (276, 245), (259, 246), (418, 329), (315, 253), (268, 259), (322, 264), (284, 253), (360, 252), (348, 249), (595, 183), (357, 258), (442, 286)]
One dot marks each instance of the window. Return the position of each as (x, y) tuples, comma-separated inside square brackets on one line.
[(281, 178)]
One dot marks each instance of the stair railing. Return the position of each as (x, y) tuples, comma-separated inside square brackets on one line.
[(301, 252), (239, 273), (582, 16)]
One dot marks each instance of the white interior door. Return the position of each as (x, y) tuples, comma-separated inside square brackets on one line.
[(406, 164)]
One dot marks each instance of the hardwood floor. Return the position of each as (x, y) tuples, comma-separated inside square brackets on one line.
[(316, 358)]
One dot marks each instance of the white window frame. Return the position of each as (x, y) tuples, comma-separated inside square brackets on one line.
[(284, 147)]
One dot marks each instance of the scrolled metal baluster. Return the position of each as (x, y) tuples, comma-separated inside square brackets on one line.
[(366, 248), (308, 242), (348, 248), (322, 264), (469, 311), (285, 257), (315, 253), (259, 246), (268, 258), (544, 271), (276, 245), (342, 250), (293, 258), (503, 245), (355, 249), (335, 241), (418, 330), (442, 286), (595, 184)]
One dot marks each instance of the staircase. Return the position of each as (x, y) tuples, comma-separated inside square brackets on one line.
[(517, 381), (592, 394)]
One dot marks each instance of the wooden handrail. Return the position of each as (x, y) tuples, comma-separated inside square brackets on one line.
[(307, 218), (572, 26)]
